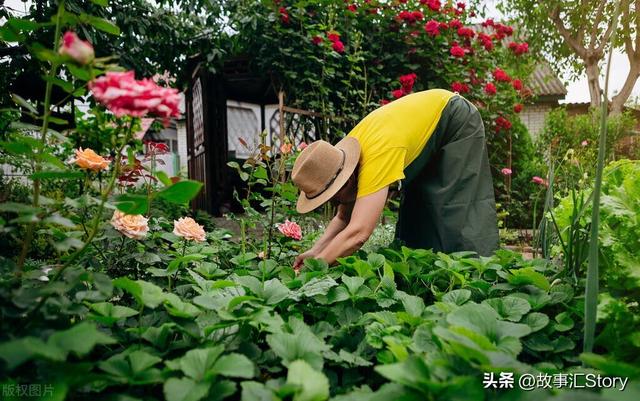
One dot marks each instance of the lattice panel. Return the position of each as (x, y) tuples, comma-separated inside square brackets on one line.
[(198, 116), (299, 128), (242, 122)]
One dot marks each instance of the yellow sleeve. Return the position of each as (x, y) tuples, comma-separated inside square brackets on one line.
[(380, 170)]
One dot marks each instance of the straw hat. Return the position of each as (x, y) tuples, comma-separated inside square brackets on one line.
[(322, 169)]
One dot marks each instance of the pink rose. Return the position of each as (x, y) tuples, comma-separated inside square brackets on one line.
[(121, 93), (584, 143), (290, 229), (187, 228), (540, 181), (79, 50), (506, 171), (302, 146)]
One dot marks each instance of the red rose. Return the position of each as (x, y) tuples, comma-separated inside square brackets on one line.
[(418, 15), (407, 81), (398, 93), (284, 15), (432, 4), (316, 40), (338, 46), (517, 84), (460, 87), (444, 25), (457, 51), (517, 107), (519, 48), (490, 89), (353, 8), (500, 75), (333, 36), (466, 32), (502, 123), (488, 22), (456, 24), (461, 5), (406, 16), (432, 28), (384, 101)]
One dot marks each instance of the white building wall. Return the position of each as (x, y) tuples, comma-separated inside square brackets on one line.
[(533, 116)]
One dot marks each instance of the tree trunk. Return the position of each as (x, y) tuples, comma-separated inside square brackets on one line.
[(593, 75), (617, 103)]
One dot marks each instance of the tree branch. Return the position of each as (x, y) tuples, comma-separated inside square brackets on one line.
[(596, 23), (566, 34)]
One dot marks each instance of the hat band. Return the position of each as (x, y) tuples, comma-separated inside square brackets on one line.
[(331, 180)]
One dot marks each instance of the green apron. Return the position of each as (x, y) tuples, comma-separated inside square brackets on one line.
[(447, 201)]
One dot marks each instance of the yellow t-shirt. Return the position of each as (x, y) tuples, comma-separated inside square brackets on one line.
[(392, 136)]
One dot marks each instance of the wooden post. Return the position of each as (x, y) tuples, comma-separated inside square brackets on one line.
[(281, 111)]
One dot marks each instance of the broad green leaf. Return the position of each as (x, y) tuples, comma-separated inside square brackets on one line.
[(510, 308), (185, 389), (132, 203), (535, 320), (164, 178), (80, 339), (457, 297), (413, 372), (79, 72), (23, 24), (102, 24), (290, 347), (181, 191), (526, 276), (313, 385), (317, 286), (254, 391), (102, 3), (144, 292), (234, 365), (563, 322), (16, 352), (196, 363)]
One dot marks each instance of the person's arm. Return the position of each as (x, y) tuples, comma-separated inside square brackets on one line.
[(336, 225), (364, 219)]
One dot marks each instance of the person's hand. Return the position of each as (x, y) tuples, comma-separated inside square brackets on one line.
[(297, 264)]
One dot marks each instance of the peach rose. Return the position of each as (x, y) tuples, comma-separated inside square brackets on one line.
[(291, 229), (131, 225), (89, 160), (187, 228)]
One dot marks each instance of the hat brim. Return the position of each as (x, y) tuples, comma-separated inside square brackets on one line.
[(351, 148)]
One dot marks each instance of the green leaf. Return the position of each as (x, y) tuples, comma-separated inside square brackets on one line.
[(79, 72), (132, 203), (56, 175), (313, 385), (164, 178), (23, 24), (116, 312), (234, 365), (317, 286), (145, 293), (254, 391), (457, 297), (185, 389), (510, 308), (290, 347), (197, 362), (17, 352), (537, 321), (101, 24), (413, 372), (102, 3), (23, 103), (564, 322), (526, 276), (80, 339), (181, 191), (274, 291)]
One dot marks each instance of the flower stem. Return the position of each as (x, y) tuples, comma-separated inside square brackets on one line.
[(43, 138)]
